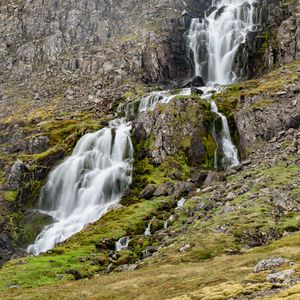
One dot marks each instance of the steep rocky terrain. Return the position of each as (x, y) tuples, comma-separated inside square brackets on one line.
[(65, 68)]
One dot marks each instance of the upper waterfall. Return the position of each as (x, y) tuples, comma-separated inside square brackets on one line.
[(85, 185), (214, 40)]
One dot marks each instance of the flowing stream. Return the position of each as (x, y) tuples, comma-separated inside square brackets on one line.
[(85, 185)]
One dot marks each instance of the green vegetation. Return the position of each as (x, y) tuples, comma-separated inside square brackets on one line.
[(260, 105), (209, 263), (80, 253), (11, 195)]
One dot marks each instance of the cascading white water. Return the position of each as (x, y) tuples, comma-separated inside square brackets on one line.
[(149, 102), (180, 203), (230, 158), (214, 40), (85, 185), (148, 229), (122, 244)]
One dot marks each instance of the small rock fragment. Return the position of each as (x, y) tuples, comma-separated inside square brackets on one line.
[(185, 248)]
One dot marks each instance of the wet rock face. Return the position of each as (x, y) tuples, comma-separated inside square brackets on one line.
[(273, 42), (5, 246)]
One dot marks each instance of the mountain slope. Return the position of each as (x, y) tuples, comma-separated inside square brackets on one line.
[(213, 242)]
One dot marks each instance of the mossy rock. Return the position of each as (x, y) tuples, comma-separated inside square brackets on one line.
[(34, 222)]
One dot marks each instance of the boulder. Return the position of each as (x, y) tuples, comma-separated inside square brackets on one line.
[(148, 251), (269, 264), (196, 81), (196, 91), (283, 276), (285, 203), (106, 244), (17, 174), (37, 145), (183, 188), (198, 177), (148, 192), (185, 248), (164, 190)]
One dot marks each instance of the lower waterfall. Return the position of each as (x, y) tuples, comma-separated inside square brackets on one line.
[(85, 185)]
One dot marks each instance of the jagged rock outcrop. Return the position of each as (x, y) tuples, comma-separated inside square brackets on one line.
[(273, 43), (77, 35), (266, 114), (180, 127), (16, 175), (288, 37)]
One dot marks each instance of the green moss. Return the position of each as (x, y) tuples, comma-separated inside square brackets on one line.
[(210, 148), (269, 39), (261, 104), (291, 222), (11, 196), (126, 257), (33, 225)]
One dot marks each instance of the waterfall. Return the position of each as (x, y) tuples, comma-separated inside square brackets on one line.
[(93, 178), (148, 229), (85, 185), (214, 40), (180, 203), (230, 154)]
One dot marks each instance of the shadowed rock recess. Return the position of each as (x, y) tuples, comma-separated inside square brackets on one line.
[(128, 170)]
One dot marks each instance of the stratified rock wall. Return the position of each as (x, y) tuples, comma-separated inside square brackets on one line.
[(288, 37), (91, 37)]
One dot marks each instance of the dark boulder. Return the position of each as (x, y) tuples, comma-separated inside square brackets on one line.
[(148, 192), (17, 174), (199, 177), (196, 91), (196, 81)]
